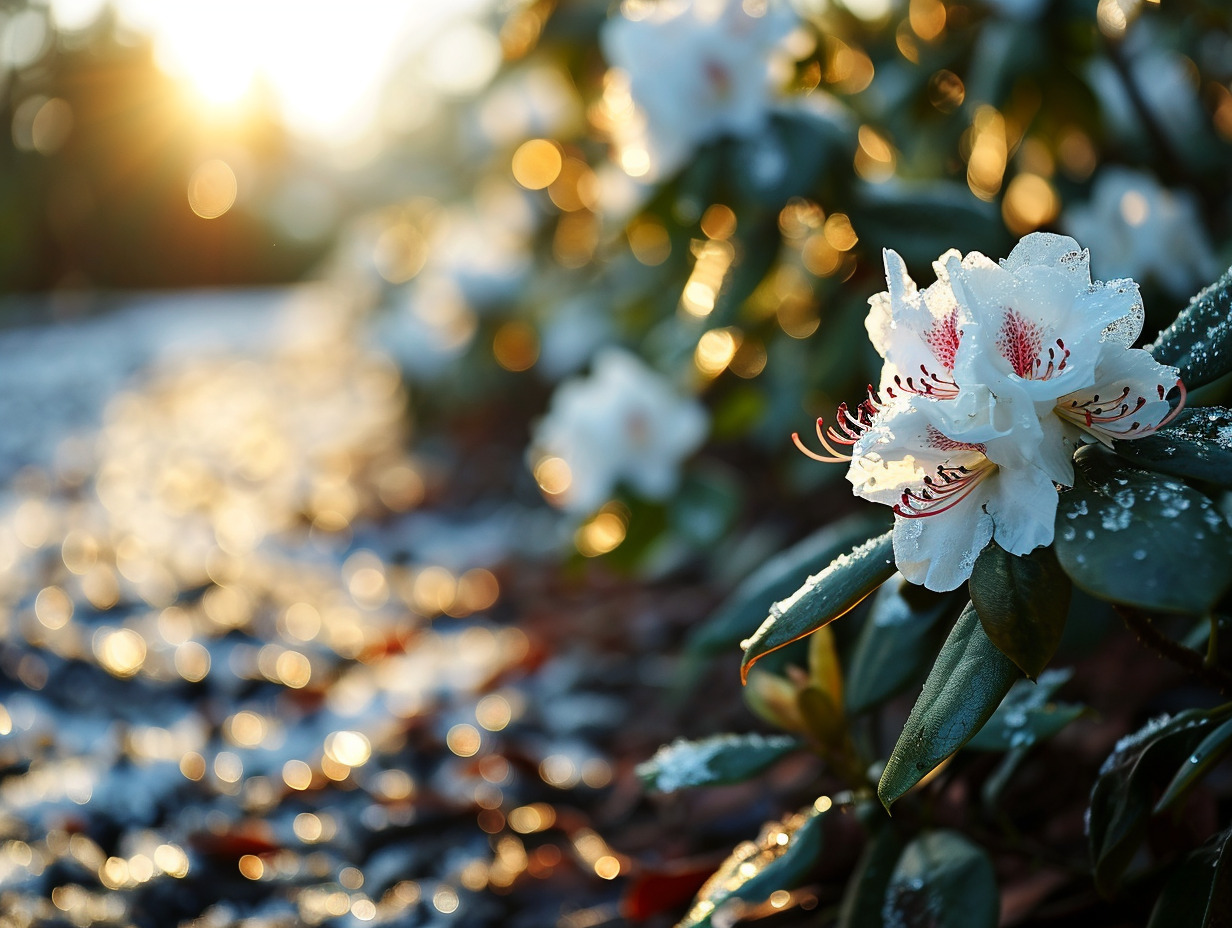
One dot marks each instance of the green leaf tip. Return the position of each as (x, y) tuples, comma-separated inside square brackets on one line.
[(823, 598)]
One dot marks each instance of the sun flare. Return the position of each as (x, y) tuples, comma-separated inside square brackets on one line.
[(323, 63)]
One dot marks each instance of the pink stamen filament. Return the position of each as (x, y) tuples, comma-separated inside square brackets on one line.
[(1098, 415), (852, 426), (929, 385), (1055, 365), (938, 496)]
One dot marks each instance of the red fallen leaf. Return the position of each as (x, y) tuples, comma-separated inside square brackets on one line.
[(661, 889), (245, 838)]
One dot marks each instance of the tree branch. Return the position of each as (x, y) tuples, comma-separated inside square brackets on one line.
[(1140, 624)]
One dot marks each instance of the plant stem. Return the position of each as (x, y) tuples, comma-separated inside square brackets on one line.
[(1212, 642), (1193, 661)]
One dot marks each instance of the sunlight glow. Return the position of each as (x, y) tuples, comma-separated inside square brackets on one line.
[(323, 63)]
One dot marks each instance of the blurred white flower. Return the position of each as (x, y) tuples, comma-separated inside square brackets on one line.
[(623, 423), (993, 376), (1142, 230), (687, 71)]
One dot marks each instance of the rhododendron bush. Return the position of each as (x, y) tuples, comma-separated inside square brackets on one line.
[(947, 247)]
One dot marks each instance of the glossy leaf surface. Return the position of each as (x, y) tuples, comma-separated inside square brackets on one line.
[(1022, 603), (942, 880), (780, 858), (712, 761), (966, 685), (822, 599), (1199, 341), (1143, 539)]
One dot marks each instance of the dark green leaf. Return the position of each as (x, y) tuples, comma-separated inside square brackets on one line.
[(968, 681), (897, 641), (942, 880), (714, 760), (995, 783), (756, 253), (1213, 747), (799, 144), (775, 579), (1142, 539), (865, 894), (911, 220), (705, 505), (1199, 341), (1022, 603), (1196, 444), (1199, 892), (758, 868), (1129, 780), (1027, 714), (822, 599)]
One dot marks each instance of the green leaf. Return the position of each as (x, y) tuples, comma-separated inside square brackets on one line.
[(1027, 714), (1213, 747), (1197, 444), (712, 761), (1199, 892), (900, 634), (823, 598), (1022, 603), (1130, 536), (864, 897), (968, 681), (942, 880), (775, 579), (1123, 796), (1199, 341), (911, 220), (781, 857), (802, 143), (704, 506)]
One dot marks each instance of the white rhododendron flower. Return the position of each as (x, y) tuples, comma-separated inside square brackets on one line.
[(993, 375), (623, 423), (1143, 230), (949, 497), (687, 71)]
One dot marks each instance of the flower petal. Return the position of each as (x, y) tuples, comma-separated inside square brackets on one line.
[(940, 551)]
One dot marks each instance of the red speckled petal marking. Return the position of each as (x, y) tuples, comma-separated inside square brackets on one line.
[(1019, 343), (943, 339)]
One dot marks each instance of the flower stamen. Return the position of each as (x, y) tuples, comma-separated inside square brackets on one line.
[(930, 385), (851, 425), (1055, 364), (941, 493)]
